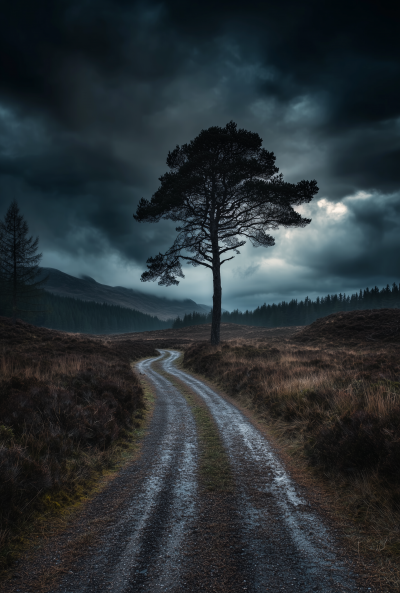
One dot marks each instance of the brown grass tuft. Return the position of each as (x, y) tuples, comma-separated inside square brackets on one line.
[(68, 403), (336, 409)]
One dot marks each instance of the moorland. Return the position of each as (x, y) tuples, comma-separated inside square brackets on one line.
[(69, 406), (328, 395)]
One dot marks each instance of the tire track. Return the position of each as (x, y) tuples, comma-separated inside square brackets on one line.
[(286, 543)]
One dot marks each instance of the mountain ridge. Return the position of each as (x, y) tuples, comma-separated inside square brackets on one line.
[(87, 288)]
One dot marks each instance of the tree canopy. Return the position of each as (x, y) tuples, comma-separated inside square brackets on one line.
[(224, 189)]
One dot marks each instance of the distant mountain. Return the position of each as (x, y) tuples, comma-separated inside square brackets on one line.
[(87, 289)]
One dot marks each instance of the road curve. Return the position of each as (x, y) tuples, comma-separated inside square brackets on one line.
[(157, 529), (287, 544), (141, 549)]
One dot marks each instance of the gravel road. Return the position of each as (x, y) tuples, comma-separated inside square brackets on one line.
[(159, 530), (286, 543), (141, 548)]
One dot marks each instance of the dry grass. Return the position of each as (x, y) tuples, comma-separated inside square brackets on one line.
[(69, 407), (337, 412), (63, 365)]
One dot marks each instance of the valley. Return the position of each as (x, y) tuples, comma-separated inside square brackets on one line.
[(87, 289)]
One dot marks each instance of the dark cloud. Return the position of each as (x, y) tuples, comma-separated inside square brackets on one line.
[(94, 93), (368, 168)]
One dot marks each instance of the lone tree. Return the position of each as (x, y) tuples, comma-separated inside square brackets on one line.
[(19, 265), (223, 188)]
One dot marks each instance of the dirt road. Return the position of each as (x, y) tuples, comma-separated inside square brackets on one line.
[(144, 545), (162, 532), (286, 542)]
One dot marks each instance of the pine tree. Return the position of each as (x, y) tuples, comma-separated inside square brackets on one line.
[(19, 266), (223, 189)]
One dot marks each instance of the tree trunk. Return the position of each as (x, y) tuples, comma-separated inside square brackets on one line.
[(216, 269), (217, 298)]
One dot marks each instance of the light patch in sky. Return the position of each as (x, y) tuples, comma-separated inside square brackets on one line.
[(335, 211)]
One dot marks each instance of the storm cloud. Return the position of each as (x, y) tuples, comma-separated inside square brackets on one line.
[(93, 95)]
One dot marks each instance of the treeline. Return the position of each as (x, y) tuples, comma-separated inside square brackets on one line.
[(73, 315), (303, 312)]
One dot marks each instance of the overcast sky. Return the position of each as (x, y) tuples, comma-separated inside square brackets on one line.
[(94, 93)]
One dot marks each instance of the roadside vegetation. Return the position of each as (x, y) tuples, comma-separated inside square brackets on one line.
[(69, 408), (333, 403)]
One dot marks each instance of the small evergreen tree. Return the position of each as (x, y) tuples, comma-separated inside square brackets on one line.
[(19, 266)]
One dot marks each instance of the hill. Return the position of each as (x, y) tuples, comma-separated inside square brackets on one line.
[(88, 317), (354, 327), (87, 289)]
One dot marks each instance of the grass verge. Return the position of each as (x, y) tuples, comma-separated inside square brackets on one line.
[(335, 413), (55, 510), (71, 411), (215, 469)]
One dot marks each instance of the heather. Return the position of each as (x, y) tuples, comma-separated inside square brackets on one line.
[(331, 395), (68, 405), (339, 402)]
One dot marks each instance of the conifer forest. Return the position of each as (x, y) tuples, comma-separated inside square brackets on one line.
[(296, 312), (74, 315)]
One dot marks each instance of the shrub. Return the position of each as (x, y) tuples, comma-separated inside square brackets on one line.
[(361, 441)]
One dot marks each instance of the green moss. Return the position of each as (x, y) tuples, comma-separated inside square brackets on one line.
[(215, 469)]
